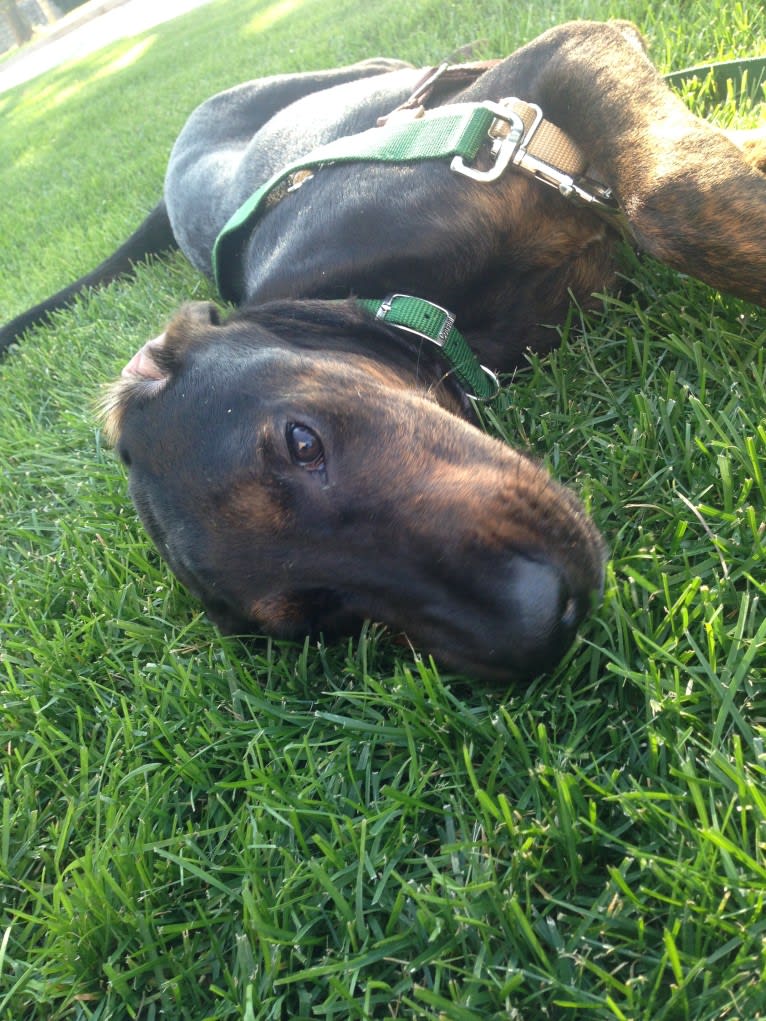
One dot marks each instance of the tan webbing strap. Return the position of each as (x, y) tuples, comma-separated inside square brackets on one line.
[(548, 142)]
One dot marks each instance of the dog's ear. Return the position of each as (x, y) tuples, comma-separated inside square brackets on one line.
[(192, 323), (196, 314), (152, 365), (144, 364), (159, 357), (631, 33)]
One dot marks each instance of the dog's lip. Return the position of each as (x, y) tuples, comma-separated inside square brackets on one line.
[(142, 365)]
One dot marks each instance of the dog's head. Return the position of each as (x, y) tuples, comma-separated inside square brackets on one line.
[(298, 469)]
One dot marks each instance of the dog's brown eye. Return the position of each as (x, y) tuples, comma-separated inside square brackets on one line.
[(305, 446)]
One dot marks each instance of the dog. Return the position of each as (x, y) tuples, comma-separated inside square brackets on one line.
[(314, 459)]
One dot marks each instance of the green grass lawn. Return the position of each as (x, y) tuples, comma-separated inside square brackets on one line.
[(193, 830)]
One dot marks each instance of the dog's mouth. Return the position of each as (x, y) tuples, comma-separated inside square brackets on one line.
[(525, 633), (497, 616)]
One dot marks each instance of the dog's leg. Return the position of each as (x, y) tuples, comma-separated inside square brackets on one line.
[(693, 200)]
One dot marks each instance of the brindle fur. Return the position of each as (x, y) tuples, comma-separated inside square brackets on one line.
[(409, 514)]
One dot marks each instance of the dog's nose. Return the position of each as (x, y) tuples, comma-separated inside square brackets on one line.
[(544, 609)]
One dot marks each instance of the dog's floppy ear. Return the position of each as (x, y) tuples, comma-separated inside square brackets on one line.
[(159, 356), (152, 365), (143, 364)]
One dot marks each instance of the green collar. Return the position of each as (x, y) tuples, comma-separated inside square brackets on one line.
[(436, 324), (454, 132)]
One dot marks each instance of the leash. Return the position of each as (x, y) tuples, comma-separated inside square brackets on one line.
[(746, 74)]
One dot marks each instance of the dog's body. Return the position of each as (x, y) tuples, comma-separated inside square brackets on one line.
[(303, 465)]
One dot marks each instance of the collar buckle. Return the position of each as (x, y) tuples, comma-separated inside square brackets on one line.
[(425, 324), (436, 324), (512, 145)]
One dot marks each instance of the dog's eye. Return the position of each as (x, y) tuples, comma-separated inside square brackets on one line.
[(305, 446)]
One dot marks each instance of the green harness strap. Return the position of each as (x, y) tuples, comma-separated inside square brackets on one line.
[(457, 130)]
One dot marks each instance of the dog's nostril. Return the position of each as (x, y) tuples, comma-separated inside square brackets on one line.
[(543, 613), (540, 595)]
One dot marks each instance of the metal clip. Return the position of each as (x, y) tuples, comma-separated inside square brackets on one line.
[(507, 130), (580, 191), (511, 148)]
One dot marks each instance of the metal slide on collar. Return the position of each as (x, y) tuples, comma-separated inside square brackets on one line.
[(436, 324), (506, 131)]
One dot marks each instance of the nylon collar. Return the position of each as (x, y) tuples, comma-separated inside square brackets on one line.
[(437, 325)]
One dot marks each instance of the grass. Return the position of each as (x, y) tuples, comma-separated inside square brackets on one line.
[(189, 829)]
